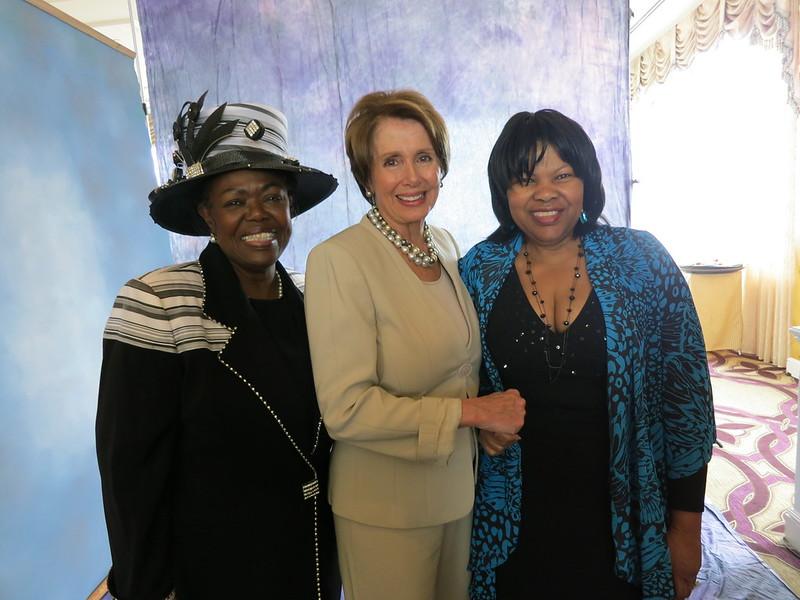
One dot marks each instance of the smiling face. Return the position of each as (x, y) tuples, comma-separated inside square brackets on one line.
[(248, 213), (547, 206), (404, 173)]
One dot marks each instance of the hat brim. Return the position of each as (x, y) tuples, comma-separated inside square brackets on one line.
[(174, 206)]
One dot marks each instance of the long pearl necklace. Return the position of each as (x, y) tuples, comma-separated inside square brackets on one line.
[(414, 254), (553, 370)]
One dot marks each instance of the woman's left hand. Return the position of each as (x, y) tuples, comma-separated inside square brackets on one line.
[(683, 539), (494, 444)]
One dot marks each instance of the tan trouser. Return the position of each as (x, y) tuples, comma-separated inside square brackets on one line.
[(425, 563)]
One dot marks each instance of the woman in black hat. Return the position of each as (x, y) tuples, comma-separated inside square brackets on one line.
[(209, 440)]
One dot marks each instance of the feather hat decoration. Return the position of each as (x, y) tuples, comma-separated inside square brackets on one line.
[(226, 138)]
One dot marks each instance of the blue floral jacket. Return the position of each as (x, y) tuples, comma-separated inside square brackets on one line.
[(659, 403)]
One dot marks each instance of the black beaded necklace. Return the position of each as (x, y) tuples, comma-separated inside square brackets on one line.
[(553, 371)]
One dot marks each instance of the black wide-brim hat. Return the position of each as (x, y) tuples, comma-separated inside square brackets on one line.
[(227, 138)]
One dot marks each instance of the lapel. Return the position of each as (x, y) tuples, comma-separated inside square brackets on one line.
[(494, 269), (499, 271), (599, 249), (396, 273), (449, 262), (249, 354)]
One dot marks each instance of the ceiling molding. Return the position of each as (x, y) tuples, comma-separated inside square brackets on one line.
[(653, 18), (80, 26)]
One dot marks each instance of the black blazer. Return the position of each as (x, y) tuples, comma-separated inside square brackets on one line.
[(209, 442)]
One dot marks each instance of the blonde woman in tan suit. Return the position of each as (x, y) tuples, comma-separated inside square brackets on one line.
[(395, 351)]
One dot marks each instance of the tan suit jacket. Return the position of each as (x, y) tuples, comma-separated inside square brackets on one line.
[(390, 369)]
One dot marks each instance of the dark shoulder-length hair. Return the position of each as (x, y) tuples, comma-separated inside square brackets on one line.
[(519, 149)]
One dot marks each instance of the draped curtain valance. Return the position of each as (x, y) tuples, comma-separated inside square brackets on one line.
[(770, 22)]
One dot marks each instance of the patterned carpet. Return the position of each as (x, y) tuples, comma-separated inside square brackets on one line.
[(751, 478)]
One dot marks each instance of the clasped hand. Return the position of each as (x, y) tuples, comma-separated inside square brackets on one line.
[(494, 443), (502, 415)]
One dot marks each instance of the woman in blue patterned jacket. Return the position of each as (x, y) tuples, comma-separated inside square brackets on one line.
[(601, 493)]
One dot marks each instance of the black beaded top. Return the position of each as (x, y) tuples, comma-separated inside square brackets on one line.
[(565, 450), (518, 338)]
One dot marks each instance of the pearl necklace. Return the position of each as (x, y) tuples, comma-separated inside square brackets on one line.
[(414, 254), (280, 285)]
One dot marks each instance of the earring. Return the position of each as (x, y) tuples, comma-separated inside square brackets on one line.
[(212, 238), (370, 197), (441, 183), (583, 218)]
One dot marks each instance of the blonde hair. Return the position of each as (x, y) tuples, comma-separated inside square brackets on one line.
[(401, 104)]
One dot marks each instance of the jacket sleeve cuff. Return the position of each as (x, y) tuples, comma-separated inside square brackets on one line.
[(439, 419), (687, 493)]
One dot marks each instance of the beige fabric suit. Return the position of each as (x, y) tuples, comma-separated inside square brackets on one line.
[(390, 368)]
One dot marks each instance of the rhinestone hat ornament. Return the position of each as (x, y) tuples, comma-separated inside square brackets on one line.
[(214, 140)]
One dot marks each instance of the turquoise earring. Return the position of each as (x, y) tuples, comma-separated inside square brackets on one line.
[(583, 218)]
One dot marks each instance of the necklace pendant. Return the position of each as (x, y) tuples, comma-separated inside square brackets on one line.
[(310, 489), (553, 370)]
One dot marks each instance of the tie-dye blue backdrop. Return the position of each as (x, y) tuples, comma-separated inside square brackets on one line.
[(479, 62), (75, 172)]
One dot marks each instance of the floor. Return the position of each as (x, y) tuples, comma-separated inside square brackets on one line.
[(751, 476)]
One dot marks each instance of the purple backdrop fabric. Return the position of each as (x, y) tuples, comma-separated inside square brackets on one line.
[(478, 62)]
